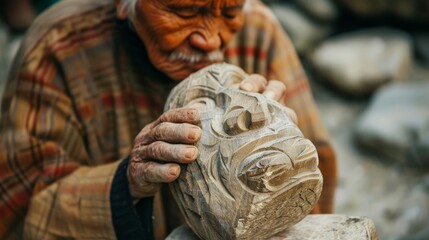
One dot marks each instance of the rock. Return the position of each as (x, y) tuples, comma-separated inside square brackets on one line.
[(422, 235), (303, 32), (422, 46), (415, 11), (397, 123), (365, 8), (323, 10), (361, 61), (316, 227)]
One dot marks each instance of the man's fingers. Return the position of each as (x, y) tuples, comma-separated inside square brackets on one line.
[(153, 172), (148, 175), (254, 83), (174, 133), (181, 115), (179, 153), (275, 90)]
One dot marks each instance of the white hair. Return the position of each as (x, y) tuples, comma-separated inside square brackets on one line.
[(129, 6)]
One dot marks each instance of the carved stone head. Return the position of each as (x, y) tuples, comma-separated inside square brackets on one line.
[(256, 174)]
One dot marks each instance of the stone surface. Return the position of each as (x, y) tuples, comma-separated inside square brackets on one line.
[(359, 62), (411, 10), (323, 10), (396, 124), (303, 32), (422, 46), (316, 227)]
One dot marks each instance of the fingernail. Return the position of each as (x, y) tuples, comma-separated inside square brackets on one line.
[(194, 134), (270, 94), (173, 171), (247, 87), (190, 153)]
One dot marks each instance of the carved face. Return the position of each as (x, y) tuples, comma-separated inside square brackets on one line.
[(183, 36), (256, 174)]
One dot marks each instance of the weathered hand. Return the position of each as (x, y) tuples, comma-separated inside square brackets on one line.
[(273, 89), (158, 148)]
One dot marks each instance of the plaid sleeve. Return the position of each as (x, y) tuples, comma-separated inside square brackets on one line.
[(50, 186), (41, 142), (262, 47)]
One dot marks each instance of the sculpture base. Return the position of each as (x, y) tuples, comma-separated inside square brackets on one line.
[(316, 227)]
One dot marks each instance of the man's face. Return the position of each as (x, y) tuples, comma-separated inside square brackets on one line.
[(183, 36)]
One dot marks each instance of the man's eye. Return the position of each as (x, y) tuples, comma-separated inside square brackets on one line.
[(232, 12), (187, 12)]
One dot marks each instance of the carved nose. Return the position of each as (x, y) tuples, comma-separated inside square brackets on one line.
[(241, 120), (205, 43)]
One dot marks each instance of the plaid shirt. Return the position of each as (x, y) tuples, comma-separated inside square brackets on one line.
[(75, 101)]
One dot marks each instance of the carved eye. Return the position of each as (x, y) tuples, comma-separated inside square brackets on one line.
[(232, 12)]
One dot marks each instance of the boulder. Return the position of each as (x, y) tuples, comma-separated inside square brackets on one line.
[(422, 46), (415, 11), (322, 10), (303, 32), (359, 62), (396, 124)]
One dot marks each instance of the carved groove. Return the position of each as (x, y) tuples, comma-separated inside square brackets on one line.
[(255, 175)]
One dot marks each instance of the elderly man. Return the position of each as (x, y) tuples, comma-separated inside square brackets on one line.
[(84, 143)]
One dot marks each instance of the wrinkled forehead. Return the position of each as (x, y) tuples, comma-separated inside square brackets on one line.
[(210, 3)]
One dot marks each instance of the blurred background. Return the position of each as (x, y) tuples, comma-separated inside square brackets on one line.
[(368, 65)]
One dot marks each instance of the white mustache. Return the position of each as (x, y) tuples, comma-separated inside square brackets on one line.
[(195, 57)]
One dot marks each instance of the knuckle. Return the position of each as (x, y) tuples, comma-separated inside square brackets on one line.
[(181, 115), (160, 131), (147, 168), (259, 79), (155, 150), (190, 114), (276, 84), (132, 169)]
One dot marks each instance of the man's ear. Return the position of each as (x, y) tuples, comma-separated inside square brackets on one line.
[(121, 11)]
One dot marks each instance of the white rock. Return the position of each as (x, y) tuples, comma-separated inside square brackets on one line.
[(303, 32), (359, 62), (323, 10), (397, 123)]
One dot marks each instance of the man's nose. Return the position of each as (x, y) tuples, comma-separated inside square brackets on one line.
[(205, 43)]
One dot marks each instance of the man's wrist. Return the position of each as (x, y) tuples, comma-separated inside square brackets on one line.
[(129, 221)]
